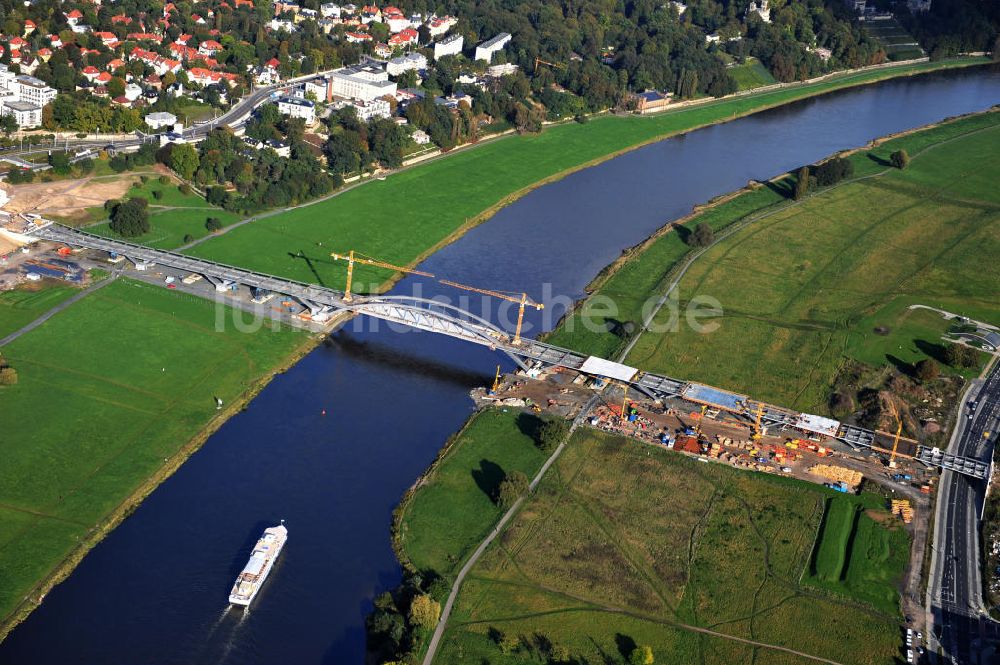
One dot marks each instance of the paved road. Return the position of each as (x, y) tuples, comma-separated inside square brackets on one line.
[(58, 308), (235, 117), (955, 586)]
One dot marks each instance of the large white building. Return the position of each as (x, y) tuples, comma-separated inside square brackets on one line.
[(161, 119), (23, 97), (405, 63), (451, 45), (486, 50), (27, 115), (376, 108), (362, 82), (296, 107)]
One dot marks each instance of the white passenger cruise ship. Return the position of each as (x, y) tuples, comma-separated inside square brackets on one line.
[(265, 553)]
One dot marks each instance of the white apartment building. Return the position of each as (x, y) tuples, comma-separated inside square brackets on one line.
[(297, 108), (451, 45), (22, 96), (363, 83), (405, 63), (27, 115), (376, 108), (486, 50)]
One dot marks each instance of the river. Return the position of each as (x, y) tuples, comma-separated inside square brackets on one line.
[(154, 591)]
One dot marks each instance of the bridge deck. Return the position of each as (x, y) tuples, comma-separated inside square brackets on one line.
[(444, 319)]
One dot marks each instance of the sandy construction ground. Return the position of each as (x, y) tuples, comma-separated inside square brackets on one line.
[(66, 198)]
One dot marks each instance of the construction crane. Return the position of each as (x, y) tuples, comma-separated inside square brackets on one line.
[(758, 432), (539, 61), (521, 299), (352, 259), (899, 431), (624, 402), (496, 381), (701, 419)]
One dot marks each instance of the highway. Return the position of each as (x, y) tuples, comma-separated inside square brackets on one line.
[(954, 590)]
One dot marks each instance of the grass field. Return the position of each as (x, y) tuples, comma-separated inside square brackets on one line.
[(851, 259), (172, 197), (124, 379), (626, 544), (449, 515), (168, 228), (751, 74), (23, 305), (856, 555), (897, 42), (403, 217)]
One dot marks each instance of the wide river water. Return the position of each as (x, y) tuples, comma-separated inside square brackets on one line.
[(155, 590)]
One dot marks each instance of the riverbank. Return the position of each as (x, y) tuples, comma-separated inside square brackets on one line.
[(417, 211), (121, 416)]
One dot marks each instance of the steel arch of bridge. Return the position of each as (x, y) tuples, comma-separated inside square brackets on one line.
[(436, 316)]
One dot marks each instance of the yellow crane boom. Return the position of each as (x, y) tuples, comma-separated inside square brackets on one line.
[(758, 432), (899, 431), (521, 298), (352, 259), (539, 61)]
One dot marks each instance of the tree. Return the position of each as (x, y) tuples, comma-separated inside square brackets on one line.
[(8, 376), (8, 124), (512, 487), (157, 194), (926, 370), (116, 87), (560, 653), (424, 612), (900, 159), (59, 161), (118, 163), (131, 218), (702, 236), (184, 160), (801, 183), (958, 355), (642, 655), (551, 433), (833, 171), (213, 224)]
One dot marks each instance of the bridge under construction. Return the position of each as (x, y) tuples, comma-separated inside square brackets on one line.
[(442, 318)]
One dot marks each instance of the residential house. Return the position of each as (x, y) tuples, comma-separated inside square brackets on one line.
[(403, 38)]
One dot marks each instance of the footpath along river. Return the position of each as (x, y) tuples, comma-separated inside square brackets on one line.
[(155, 590)]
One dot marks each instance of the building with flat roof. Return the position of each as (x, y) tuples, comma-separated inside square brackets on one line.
[(405, 63), (362, 83), (161, 119), (486, 50), (297, 107), (450, 45), (26, 114)]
